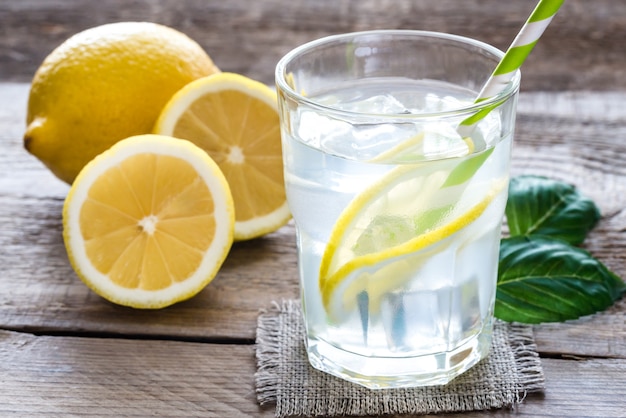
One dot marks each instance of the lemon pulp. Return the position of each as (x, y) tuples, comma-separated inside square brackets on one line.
[(235, 120), (154, 234)]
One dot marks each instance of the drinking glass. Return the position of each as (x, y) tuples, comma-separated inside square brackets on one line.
[(397, 181)]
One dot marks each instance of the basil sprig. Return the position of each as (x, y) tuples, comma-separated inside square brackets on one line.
[(543, 276)]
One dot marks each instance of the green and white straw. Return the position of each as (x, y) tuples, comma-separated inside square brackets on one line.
[(514, 57), (512, 60)]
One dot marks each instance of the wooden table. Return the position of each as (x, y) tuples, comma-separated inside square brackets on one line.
[(66, 352)]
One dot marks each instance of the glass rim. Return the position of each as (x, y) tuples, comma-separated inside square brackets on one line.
[(511, 88)]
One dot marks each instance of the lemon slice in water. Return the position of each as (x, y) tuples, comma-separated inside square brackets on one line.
[(383, 235)]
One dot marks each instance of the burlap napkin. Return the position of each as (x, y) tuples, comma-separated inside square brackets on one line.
[(285, 378)]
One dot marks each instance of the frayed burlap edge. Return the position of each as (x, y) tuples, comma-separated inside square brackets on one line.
[(527, 362), (268, 353), (282, 365)]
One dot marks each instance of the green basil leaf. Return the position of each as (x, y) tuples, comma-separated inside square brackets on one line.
[(541, 279), (540, 206)]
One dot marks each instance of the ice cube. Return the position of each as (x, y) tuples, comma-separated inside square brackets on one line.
[(441, 140), (385, 104), (314, 127), (433, 103)]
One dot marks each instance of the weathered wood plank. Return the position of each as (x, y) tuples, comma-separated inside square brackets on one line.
[(41, 293), (60, 376), (68, 376), (583, 48), (578, 142), (574, 136)]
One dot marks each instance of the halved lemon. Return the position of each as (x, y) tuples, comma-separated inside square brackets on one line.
[(235, 120), (388, 230), (149, 222)]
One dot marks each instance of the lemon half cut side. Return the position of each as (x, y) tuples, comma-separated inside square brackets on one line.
[(149, 222), (235, 120)]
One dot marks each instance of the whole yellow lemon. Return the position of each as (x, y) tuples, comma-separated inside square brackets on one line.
[(103, 85)]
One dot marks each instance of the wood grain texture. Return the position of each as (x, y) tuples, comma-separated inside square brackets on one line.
[(42, 294), (62, 376), (45, 376), (583, 48), (167, 362), (571, 137), (66, 352)]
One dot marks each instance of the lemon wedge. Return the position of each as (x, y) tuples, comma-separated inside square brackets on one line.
[(149, 222)]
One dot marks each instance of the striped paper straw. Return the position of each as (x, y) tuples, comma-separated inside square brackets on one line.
[(514, 57), (512, 60)]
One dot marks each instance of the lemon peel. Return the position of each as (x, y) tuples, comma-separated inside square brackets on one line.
[(105, 84)]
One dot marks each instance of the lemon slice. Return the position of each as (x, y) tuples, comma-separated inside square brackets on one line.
[(235, 120), (374, 245), (149, 222)]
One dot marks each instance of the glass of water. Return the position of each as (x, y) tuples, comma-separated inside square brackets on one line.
[(397, 209)]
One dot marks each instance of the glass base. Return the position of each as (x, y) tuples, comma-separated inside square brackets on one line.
[(399, 372)]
